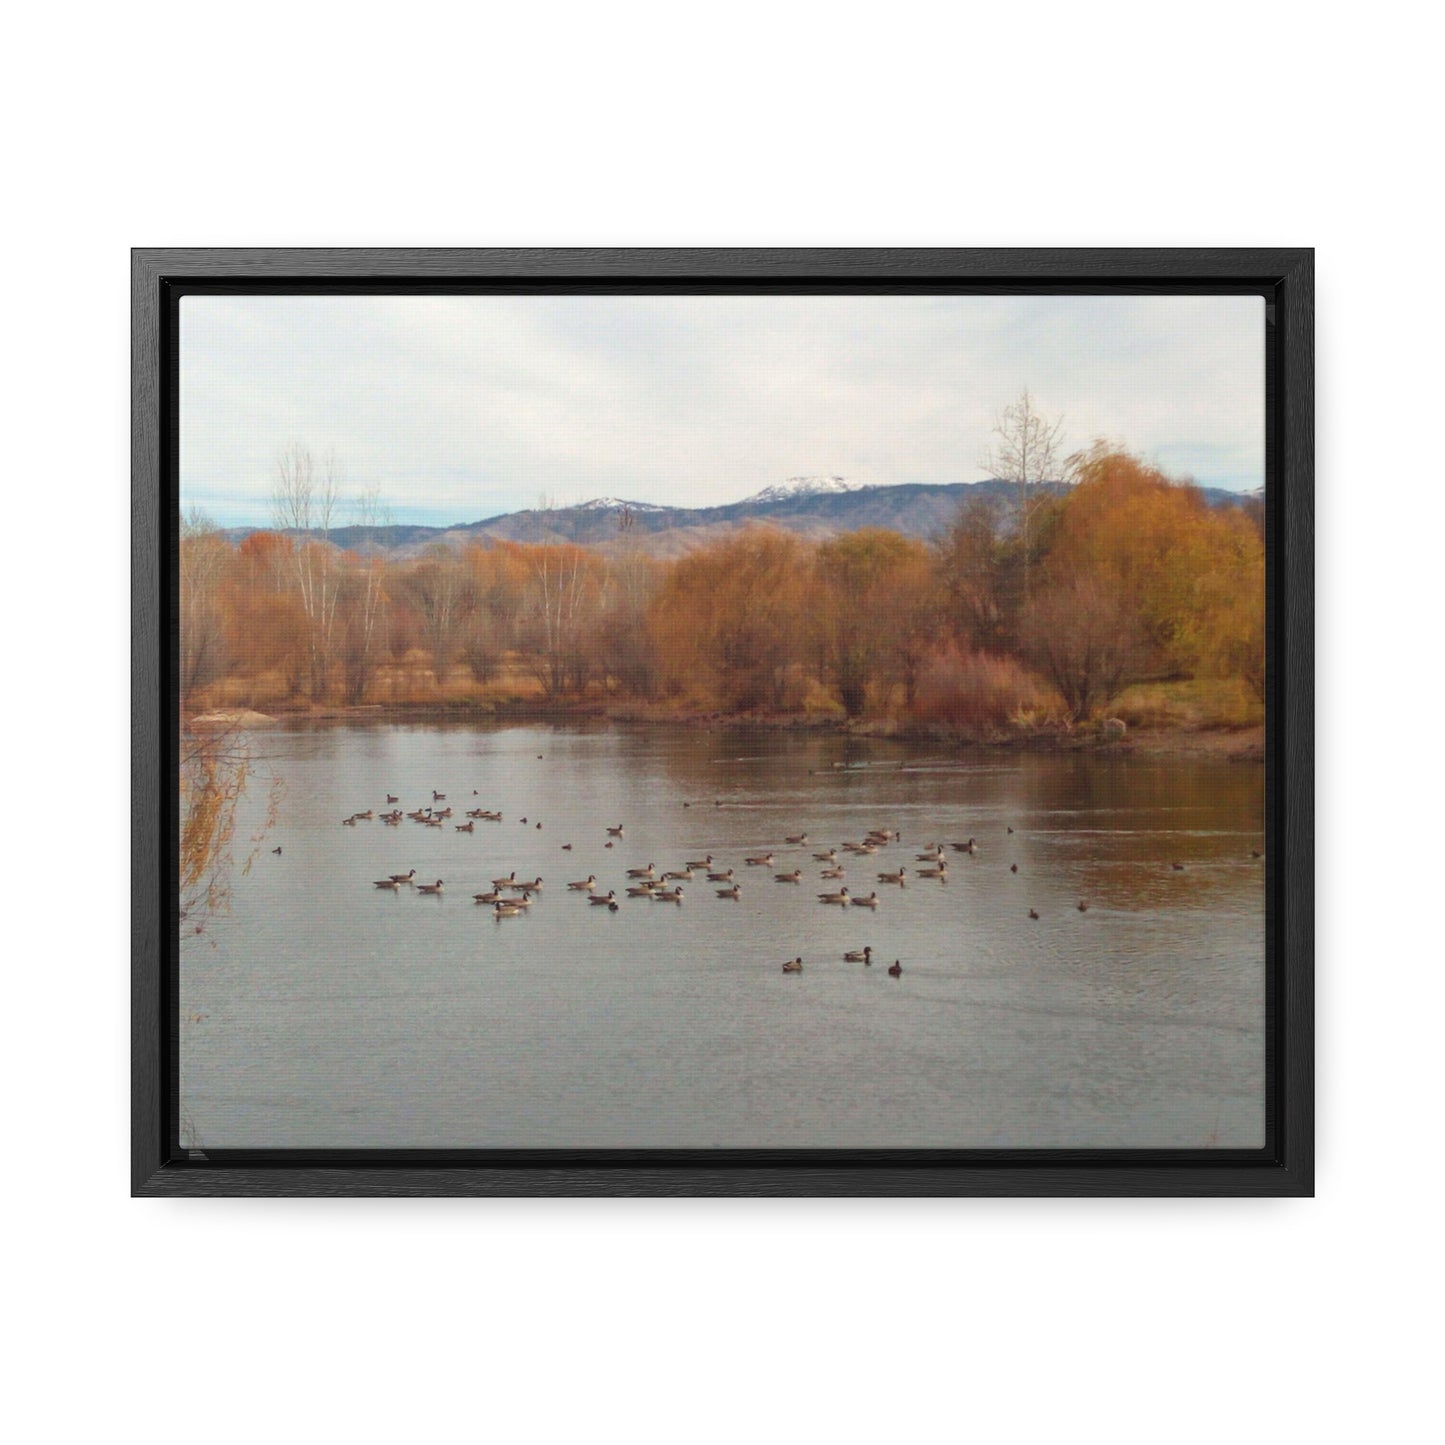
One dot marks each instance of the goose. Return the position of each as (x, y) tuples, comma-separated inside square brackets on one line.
[(387, 883), (668, 895), (534, 886), (586, 885), (404, 877), (900, 877), (798, 839), (734, 892), (365, 817), (566, 847), (760, 860), (871, 901), (506, 910), (430, 887), (492, 897), (392, 820), (1013, 867), (796, 876), (896, 970), (608, 843), (465, 827), (539, 827), (681, 873), (703, 863), (969, 847), (392, 798), (834, 873), (492, 817), (934, 855), (883, 835), (348, 822), (831, 856), (793, 965), (276, 851), (1177, 867), (839, 897), (506, 882), (525, 901), (610, 901), (859, 955), (1253, 853), (438, 797), (615, 832), (434, 822), (941, 872), (475, 813), (1033, 913), (642, 890), (726, 876), (648, 872), (1083, 907)]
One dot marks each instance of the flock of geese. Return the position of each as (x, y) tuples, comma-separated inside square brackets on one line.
[(511, 897)]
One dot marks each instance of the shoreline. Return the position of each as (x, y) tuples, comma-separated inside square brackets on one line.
[(1226, 744)]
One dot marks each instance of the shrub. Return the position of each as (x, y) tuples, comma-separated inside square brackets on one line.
[(980, 691)]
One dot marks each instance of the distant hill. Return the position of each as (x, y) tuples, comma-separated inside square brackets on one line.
[(812, 507)]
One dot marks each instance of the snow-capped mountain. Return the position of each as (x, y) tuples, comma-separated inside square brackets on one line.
[(805, 487), (615, 504)]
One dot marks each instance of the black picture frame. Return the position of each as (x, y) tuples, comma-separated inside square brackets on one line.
[(1285, 1167)]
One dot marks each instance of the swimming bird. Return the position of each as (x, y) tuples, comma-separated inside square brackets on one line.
[(566, 847), (934, 854), (668, 895), (726, 876), (438, 797), (648, 872), (506, 910), (466, 827), (679, 873), (643, 890), (734, 892), (525, 901), (794, 965), (404, 877), (1010, 830), (1033, 913), (615, 832), (896, 971), (833, 873), (900, 877), (703, 863), (608, 844), (797, 839), (969, 847), (276, 851), (506, 882), (348, 822), (365, 817), (1177, 867), (859, 955), (839, 897), (610, 900), (796, 876), (1253, 853), (1013, 867), (586, 885), (492, 897), (760, 860), (831, 856), (1083, 907), (941, 872), (392, 798), (387, 883), (430, 887), (535, 886), (871, 901)]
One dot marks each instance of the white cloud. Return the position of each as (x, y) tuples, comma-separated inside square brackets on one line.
[(460, 407)]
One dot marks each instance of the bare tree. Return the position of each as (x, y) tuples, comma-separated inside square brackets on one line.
[(304, 500), (1086, 639), (364, 603), (203, 556), (1027, 452), (442, 590)]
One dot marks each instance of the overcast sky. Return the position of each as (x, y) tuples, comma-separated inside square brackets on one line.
[(460, 407)]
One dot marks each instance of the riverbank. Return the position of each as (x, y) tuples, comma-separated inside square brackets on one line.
[(1232, 744)]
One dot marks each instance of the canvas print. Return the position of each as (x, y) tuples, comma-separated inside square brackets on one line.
[(721, 721)]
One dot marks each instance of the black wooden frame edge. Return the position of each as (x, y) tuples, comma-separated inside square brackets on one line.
[(1289, 270)]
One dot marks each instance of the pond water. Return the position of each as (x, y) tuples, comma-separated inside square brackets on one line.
[(321, 1012)]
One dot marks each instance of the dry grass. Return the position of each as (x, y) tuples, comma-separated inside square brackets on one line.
[(1189, 704), (979, 692)]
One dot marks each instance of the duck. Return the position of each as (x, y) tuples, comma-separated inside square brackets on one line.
[(1033, 913), (900, 877), (703, 863), (859, 955), (839, 897), (610, 901), (871, 901), (895, 970), (276, 851), (760, 860), (586, 885), (404, 877), (566, 847), (797, 840), (608, 843), (648, 872), (734, 892), (1177, 867), (796, 876), (387, 883), (1013, 867), (506, 882), (1010, 830), (793, 965), (430, 887), (726, 876), (831, 856), (615, 832)]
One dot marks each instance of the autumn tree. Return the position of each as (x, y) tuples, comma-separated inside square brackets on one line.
[(440, 588), (304, 502), (1084, 637), (203, 563)]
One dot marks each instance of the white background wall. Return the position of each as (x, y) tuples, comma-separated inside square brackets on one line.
[(1120, 124)]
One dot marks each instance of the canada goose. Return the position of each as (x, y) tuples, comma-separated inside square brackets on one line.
[(896, 970), (734, 892), (871, 901), (615, 832), (525, 901), (683, 873), (404, 877), (884, 835), (608, 901), (1083, 907), (387, 883), (839, 897), (566, 847), (430, 887), (859, 848), (831, 856), (796, 876), (435, 822), (648, 872), (474, 813), (834, 873), (1013, 867), (970, 847), (760, 860), (797, 839), (365, 817), (492, 817), (492, 897), (348, 822), (668, 895), (793, 965), (608, 843), (534, 886), (859, 955), (438, 797), (506, 910), (1177, 867), (465, 827), (900, 877), (1033, 913), (392, 798), (941, 872), (643, 890), (934, 855), (506, 882), (276, 851), (1010, 830), (726, 876), (586, 885), (703, 863)]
